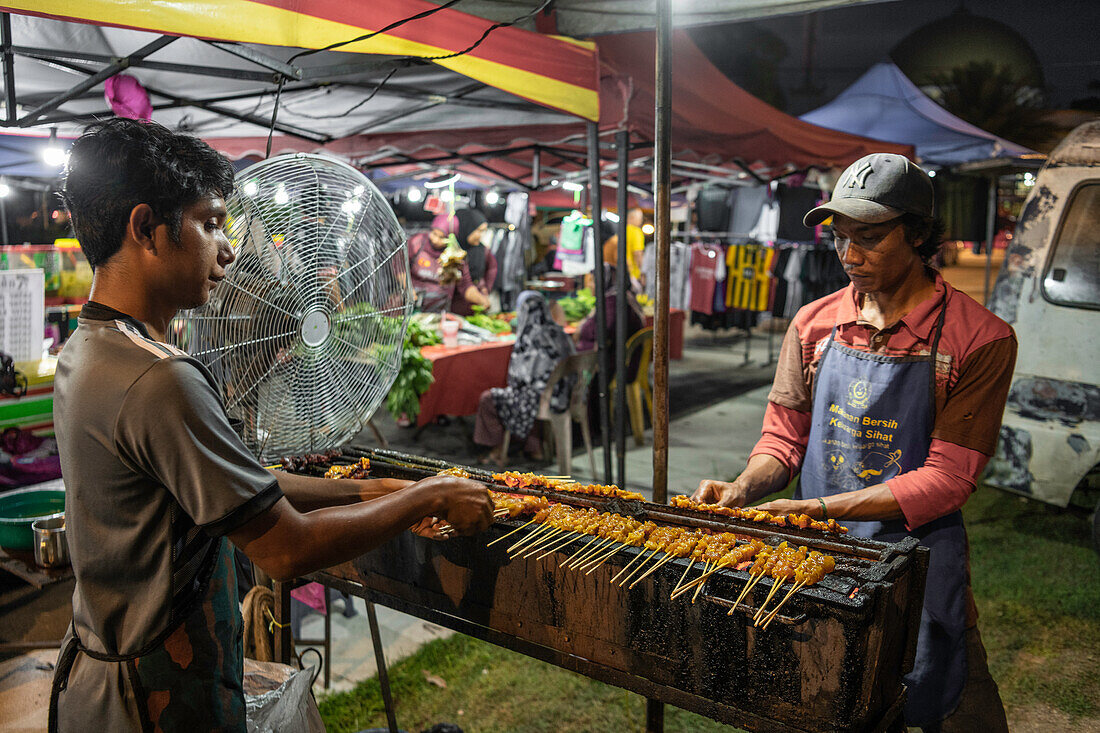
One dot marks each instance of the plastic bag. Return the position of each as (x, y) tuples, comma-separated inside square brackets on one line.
[(290, 708)]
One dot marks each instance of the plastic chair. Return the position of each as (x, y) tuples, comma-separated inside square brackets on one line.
[(560, 438), (640, 347)]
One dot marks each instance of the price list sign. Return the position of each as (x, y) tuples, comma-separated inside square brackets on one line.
[(22, 313)]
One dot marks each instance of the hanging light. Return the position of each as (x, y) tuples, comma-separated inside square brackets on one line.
[(492, 198), (572, 186), (53, 154), (5, 189), (447, 195), (442, 182), (250, 189), (647, 229), (415, 194), (281, 196)]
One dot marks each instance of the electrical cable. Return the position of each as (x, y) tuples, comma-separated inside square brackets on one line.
[(274, 115), (351, 109), (372, 34)]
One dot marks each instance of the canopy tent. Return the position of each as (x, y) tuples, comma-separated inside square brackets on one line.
[(719, 131), (885, 105), (243, 48), (587, 18)]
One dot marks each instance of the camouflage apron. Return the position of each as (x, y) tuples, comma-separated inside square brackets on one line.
[(189, 678)]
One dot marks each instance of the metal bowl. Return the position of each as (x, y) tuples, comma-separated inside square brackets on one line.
[(20, 508)]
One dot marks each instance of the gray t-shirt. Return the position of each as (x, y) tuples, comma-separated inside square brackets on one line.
[(153, 473)]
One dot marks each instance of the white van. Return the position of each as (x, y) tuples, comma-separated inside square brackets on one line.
[(1049, 291)]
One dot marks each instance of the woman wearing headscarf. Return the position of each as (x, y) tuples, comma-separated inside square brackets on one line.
[(439, 277), (483, 265), (540, 346)]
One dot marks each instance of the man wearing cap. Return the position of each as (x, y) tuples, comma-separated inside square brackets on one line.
[(887, 403)]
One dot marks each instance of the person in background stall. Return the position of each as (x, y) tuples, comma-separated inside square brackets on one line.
[(635, 249), (157, 481), (439, 277), (541, 344), (887, 403), (483, 265)]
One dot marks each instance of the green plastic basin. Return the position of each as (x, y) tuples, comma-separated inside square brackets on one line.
[(19, 508)]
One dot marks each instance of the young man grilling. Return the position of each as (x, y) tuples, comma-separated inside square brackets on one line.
[(156, 479), (887, 401)]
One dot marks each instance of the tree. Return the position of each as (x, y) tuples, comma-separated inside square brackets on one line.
[(992, 98)]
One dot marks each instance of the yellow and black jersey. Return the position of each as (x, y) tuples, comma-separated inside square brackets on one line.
[(748, 286)]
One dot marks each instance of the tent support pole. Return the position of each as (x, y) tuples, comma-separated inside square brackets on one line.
[(9, 68), (990, 225), (596, 202), (96, 78), (536, 168), (662, 205), (622, 142)]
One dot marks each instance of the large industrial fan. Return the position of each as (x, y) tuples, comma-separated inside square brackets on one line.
[(305, 333)]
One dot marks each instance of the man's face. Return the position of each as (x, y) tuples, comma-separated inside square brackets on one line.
[(635, 218), (877, 257), (195, 265)]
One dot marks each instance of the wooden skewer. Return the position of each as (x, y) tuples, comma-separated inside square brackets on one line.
[(771, 594), (594, 557), (558, 545), (582, 562), (602, 559), (691, 584), (632, 561), (543, 541), (708, 570), (498, 539), (446, 528), (681, 580), (748, 585), (718, 566), (583, 548), (542, 528), (668, 556), (794, 588), (522, 546), (625, 580)]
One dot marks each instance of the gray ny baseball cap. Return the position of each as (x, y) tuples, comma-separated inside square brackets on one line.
[(877, 188)]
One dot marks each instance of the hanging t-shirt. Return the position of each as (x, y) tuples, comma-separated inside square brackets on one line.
[(767, 226), (749, 283), (704, 277), (794, 202), (746, 203)]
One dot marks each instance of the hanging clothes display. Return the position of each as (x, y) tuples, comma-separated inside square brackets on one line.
[(576, 251), (512, 254), (746, 204), (705, 264), (679, 274), (794, 202), (750, 276)]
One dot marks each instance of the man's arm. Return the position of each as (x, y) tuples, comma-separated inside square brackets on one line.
[(306, 493), (475, 297), (287, 543)]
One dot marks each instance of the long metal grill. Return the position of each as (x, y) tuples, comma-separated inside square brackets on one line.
[(832, 660)]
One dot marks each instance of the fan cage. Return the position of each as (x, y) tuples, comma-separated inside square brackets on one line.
[(305, 334)]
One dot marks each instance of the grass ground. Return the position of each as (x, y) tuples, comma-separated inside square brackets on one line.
[(1035, 577)]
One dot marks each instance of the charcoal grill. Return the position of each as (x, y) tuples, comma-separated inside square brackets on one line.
[(832, 660)]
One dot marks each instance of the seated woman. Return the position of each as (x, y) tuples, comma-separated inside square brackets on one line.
[(483, 265), (437, 277), (540, 345)]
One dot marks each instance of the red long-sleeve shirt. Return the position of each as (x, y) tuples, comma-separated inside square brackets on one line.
[(974, 363)]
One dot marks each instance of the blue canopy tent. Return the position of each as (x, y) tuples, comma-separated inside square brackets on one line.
[(883, 104)]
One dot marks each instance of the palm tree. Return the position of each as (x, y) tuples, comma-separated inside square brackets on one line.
[(992, 98)]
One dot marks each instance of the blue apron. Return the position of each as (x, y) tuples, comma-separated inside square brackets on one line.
[(872, 420)]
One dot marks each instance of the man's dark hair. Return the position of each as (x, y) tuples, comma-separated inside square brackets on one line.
[(924, 234), (120, 163)]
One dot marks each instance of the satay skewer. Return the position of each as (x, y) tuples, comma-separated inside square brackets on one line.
[(528, 537), (691, 561), (556, 545), (633, 560), (582, 561), (668, 556), (633, 572), (552, 541), (584, 547), (601, 560), (543, 541), (794, 589)]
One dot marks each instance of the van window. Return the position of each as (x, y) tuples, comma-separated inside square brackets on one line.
[(1072, 276)]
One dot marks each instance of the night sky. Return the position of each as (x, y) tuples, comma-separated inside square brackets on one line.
[(1062, 33)]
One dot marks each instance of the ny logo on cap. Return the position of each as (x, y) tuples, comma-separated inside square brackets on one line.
[(860, 175)]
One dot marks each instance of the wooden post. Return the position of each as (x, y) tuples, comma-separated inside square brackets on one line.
[(595, 197)]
